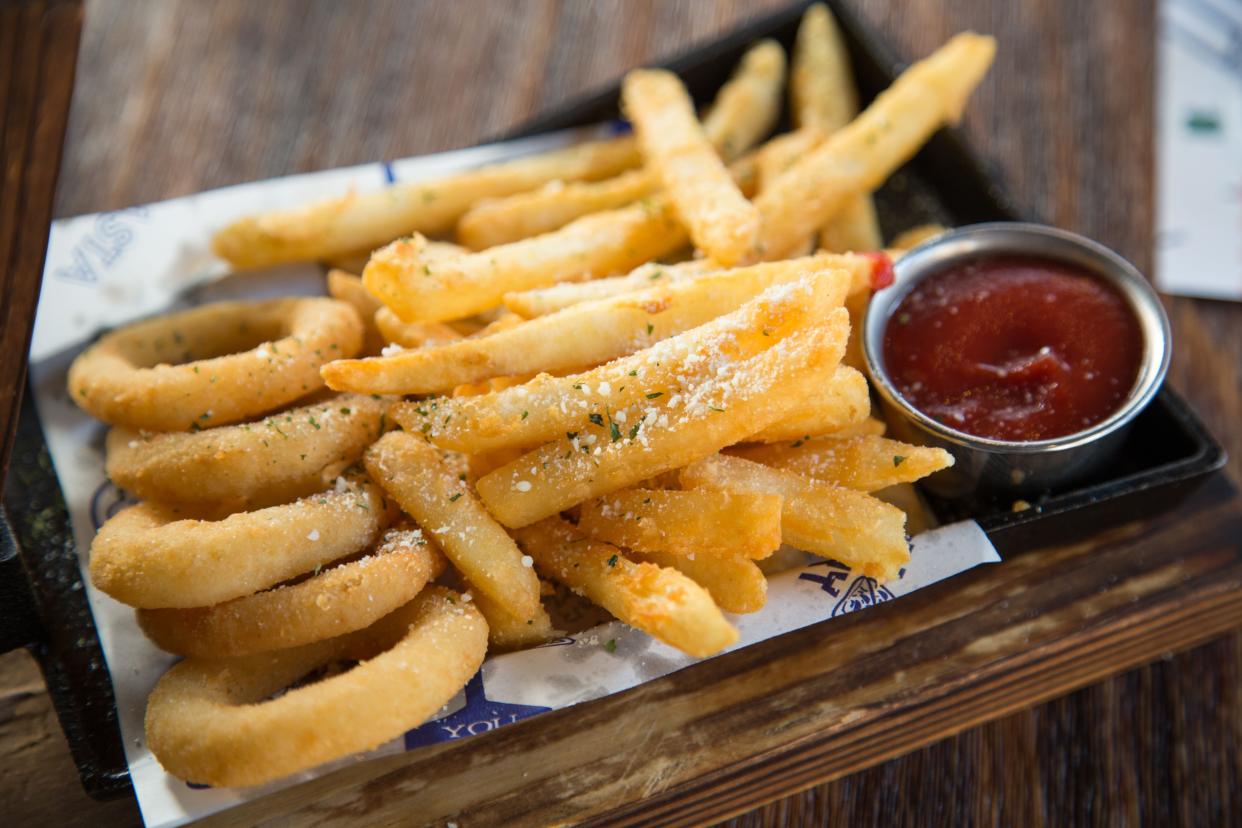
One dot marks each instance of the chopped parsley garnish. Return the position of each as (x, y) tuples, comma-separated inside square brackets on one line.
[(346, 412), (613, 431), (611, 645), (898, 460), (612, 561), (453, 498), (596, 418), (650, 328), (525, 414), (634, 430), (655, 394), (572, 435)]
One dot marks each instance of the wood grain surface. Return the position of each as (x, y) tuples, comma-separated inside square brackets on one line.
[(175, 97)]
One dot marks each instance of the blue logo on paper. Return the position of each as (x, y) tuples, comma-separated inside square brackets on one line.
[(863, 593), (107, 501), (478, 715), (834, 572)]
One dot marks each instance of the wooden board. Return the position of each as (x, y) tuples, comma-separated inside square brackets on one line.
[(1071, 85)]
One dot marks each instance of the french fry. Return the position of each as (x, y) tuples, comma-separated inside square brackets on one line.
[(859, 157), (412, 334), (867, 463), (661, 602), (412, 472), (586, 334), (601, 458), (506, 631), (783, 151), (823, 95), (543, 301), (822, 92), (904, 496), (355, 221), (503, 221), (348, 288), (695, 523), (914, 236), (748, 104), (831, 521), (547, 407), (840, 403), (735, 582), (419, 290), (718, 217)]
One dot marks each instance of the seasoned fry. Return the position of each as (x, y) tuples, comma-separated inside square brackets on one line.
[(365, 221), (847, 525), (412, 334), (348, 288), (823, 95), (695, 523), (506, 631), (600, 457), (547, 407), (586, 334), (661, 602), (867, 463), (859, 157), (411, 471), (718, 217), (783, 151), (913, 237), (419, 290), (734, 581), (502, 221), (842, 402), (748, 105), (543, 301)]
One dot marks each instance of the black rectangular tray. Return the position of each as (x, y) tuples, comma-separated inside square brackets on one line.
[(43, 604)]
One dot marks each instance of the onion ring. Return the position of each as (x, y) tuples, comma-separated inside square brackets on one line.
[(336, 601), (208, 721), (151, 556), (250, 465), (168, 373)]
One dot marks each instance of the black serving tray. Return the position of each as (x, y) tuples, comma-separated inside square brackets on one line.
[(1169, 453)]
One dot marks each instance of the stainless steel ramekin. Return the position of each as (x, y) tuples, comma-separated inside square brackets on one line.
[(1001, 468)]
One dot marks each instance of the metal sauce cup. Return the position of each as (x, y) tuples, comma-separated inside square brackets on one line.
[(989, 468)]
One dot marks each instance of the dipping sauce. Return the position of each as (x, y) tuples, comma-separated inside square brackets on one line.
[(1014, 348)]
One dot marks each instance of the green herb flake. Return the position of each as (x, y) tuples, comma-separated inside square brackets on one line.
[(525, 414), (655, 395), (612, 561), (311, 420), (346, 411), (898, 460), (634, 430), (597, 419), (571, 435), (611, 645), (650, 328), (454, 497)]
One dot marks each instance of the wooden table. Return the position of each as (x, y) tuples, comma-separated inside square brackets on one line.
[(176, 97)]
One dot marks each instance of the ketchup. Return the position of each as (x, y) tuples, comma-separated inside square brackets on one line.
[(1014, 348)]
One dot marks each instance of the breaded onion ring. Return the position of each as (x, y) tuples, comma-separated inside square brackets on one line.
[(250, 465), (151, 556), (218, 364), (208, 721), (336, 601)]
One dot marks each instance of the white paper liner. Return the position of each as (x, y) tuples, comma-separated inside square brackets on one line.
[(109, 268)]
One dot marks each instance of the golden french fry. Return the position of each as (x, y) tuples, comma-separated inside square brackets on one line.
[(914, 236), (600, 457), (844, 524), (735, 582), (507, 631), (867, 464), (783, 151), (365, 221), (840, 403), (748, 104), (348, 288), (695, 523), (821, 82), (601, 244), (412, 334), (413, 473), (547, 407), (586, 334), (860, 156), (502, 221), (661, 602), (543, 301), (823, 95), (718, 217)]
